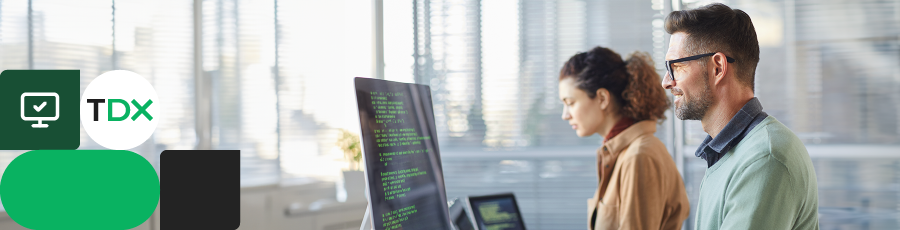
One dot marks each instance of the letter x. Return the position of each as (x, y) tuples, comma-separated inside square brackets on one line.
[(141, 109)]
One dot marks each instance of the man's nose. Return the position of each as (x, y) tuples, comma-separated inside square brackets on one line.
[(667, 82)]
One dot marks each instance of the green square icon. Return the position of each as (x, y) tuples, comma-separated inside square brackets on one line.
[(39, 109)]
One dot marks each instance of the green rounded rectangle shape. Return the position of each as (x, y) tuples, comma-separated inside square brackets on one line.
[(79, 189)]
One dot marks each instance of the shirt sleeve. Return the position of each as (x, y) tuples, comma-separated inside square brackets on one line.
[(762, 196), (642, 202)]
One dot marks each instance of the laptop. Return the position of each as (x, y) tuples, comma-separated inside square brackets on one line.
[(495, 212)]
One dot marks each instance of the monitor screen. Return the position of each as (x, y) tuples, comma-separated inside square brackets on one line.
[(43, 106), (402, 160), (496, 212)]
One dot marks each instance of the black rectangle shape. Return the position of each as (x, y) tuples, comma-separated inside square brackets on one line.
[(200, 189)]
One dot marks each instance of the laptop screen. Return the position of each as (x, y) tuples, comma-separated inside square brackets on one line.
[(496, 212)]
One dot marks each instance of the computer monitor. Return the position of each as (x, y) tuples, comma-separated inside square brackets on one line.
[(495, 212), (39, 107), (404, 179)]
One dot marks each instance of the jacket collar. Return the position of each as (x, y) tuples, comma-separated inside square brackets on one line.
[(609, 153), (623, 139)]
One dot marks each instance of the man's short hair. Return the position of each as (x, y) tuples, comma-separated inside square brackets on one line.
[(718, 28)]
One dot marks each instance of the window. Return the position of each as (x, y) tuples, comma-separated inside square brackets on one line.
[(239, 58), (493, 68), (829, 72), (281, 76), (154, 40), (280, 84)]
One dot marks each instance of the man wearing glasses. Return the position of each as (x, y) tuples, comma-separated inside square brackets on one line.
[(759, 174)]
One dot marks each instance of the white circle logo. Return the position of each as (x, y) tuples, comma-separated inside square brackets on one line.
[(119, 109)]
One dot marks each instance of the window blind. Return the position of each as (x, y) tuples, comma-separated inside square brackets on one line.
[(239, 56)]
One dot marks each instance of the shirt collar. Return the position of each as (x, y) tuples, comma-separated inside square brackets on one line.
[(712, 149)]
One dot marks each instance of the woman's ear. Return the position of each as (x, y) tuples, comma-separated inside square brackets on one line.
[(602, 98)]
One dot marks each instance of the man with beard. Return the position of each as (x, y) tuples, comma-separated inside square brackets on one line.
[(759, 174)]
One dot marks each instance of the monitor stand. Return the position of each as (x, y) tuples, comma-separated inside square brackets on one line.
[(40, 125), (366, 222)]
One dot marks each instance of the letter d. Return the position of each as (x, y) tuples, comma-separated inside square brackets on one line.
[(109, 110)]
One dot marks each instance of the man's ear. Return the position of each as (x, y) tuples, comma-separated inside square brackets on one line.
[(602, 98), (719, 66)]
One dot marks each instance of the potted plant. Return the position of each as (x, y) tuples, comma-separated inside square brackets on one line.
[(354, 180)]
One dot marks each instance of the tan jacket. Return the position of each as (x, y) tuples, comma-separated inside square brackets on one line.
[(639, 183)]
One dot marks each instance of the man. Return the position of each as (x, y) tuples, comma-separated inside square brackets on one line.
[(759, 174)]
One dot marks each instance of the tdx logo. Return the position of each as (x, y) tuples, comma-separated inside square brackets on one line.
[(141, 109), (120, 110)]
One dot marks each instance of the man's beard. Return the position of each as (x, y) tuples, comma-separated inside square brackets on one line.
[(695, 108)]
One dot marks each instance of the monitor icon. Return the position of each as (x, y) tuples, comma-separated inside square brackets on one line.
[(37, 107)]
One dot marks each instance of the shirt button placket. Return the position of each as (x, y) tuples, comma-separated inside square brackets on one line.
[(607, 152)]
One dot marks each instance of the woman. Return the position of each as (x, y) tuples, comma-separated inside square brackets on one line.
[(640, 187)]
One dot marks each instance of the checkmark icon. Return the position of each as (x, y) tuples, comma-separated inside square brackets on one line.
[(39, 108)]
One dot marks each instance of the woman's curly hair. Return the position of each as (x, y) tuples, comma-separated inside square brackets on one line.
[(635, 87)]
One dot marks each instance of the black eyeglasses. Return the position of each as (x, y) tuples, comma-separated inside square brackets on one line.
[(691, 58)]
